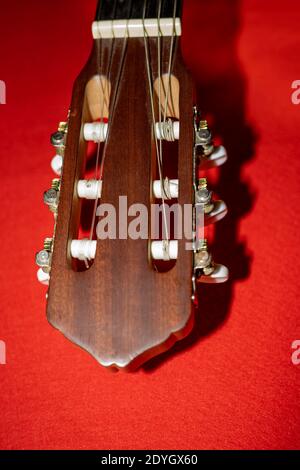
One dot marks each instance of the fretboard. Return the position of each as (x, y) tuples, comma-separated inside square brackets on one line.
[(134, 9)]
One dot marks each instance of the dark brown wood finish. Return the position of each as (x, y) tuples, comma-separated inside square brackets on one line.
[(121, 310)]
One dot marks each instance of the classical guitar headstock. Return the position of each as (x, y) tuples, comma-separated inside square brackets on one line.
[(131, 200)]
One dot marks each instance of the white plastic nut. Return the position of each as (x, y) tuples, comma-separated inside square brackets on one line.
[(83, 249), (164, 250), (95, 131), (136, 28), (89, 189), (43, 277), (171, 188), (56, 164)]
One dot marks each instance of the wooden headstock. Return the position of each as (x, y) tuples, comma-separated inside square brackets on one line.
[(114, 297)]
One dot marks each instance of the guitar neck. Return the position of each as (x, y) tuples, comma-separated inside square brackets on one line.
[(136, 9)]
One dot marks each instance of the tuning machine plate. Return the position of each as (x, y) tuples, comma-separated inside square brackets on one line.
[(206, 156)]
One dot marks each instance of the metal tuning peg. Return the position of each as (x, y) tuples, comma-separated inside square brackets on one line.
[(213, 210), (58, 139), (51, 196), (209, 154), (205, 270), (203, 138), (43, 261)]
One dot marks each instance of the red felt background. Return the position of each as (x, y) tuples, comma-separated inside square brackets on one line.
[(232, 383)]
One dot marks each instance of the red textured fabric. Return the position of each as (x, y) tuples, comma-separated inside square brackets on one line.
[(232, 383)]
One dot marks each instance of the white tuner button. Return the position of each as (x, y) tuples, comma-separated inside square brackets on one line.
[(219, 274), (56, 164), (95, 131), (83, 249), (43, 277), (217, 213), (216, 158), (89, 189), (171, 188), (164, 250)]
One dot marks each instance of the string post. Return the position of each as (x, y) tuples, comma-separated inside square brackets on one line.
[(84, 250), (167, 130), (89, 189)]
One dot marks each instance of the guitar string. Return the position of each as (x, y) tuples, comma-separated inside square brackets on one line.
[(170, 60), (112, 113), (169, 89), (119, 74), (159, 153), (159, 79), (108, 75), (159, 62), (150, 84)]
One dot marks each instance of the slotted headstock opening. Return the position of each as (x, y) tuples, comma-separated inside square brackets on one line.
[(88, 183), (167, 219)]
